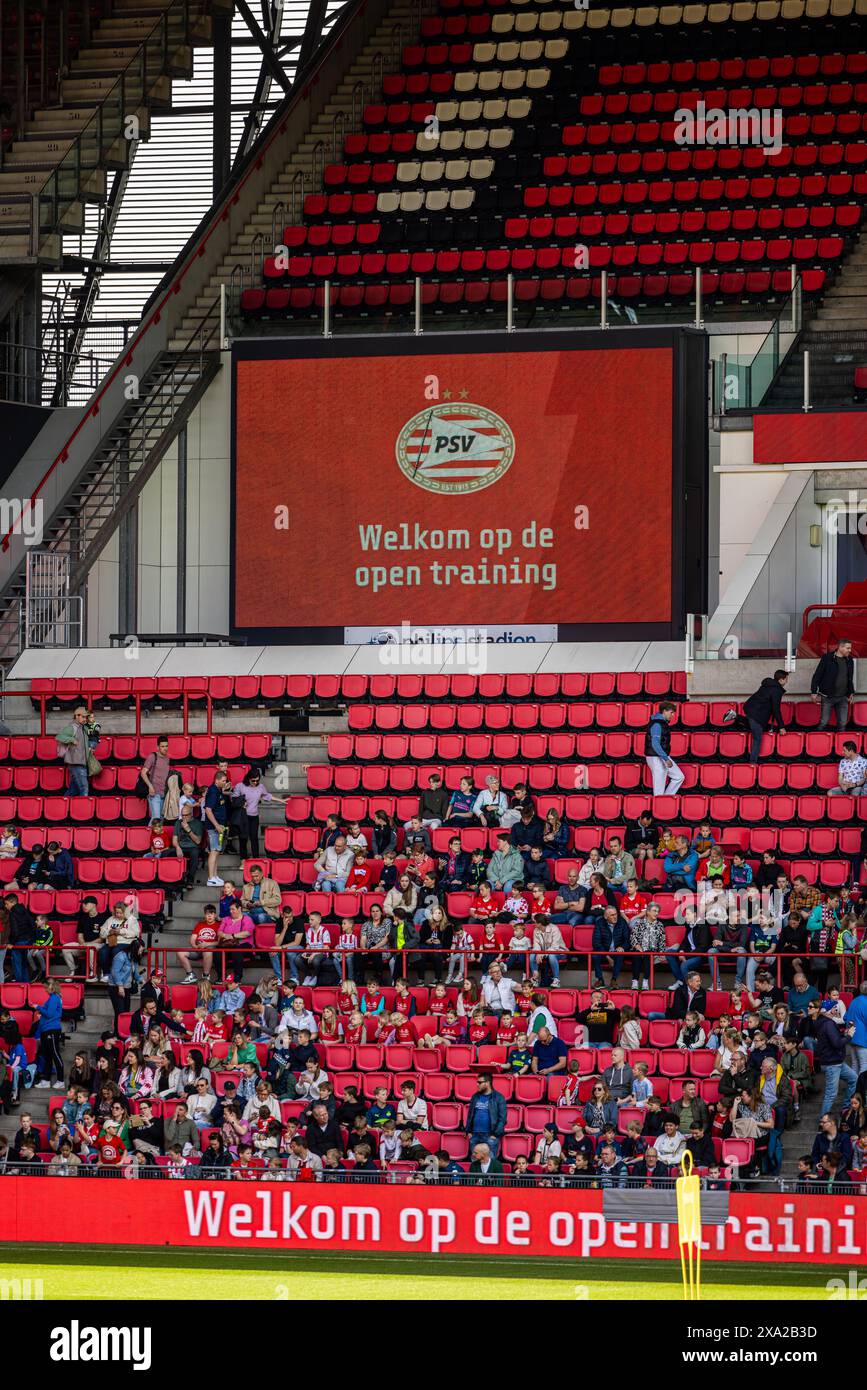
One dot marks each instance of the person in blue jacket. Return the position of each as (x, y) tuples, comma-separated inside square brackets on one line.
[(49, 1031), (610, 937), (856, 1017), (486, 1116), (681, 865), (58, 867)]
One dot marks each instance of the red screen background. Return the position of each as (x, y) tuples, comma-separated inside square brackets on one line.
[(317, 436)]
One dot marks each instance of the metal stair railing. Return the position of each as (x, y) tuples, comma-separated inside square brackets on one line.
[(121, 465), (108, 126)]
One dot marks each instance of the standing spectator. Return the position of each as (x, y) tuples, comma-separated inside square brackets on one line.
[(764, 708), (486, 1116), (667, 776), (251, 792), (49, 1031), (155, 774), (216, 818), (851, 772), (856, 1021), (833, 684), (433, 804), (830, 1052), (75, 743)]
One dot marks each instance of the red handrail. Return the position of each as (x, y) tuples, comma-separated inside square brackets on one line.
[(219, 215)]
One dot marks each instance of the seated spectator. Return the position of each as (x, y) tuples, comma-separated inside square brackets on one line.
[(461, 804), (610, 938), (549, 1054), (851, 772), (433, 804), (332, 867), (681, 866), (491, 803), (261, 898), (618, 866), (548, 946), (600, 1110), (619, 1077), (537, 870), (670, 1145), (569, 900), (646, 939), (600, 1020), (599, 898), (692, 1037), (506, 867), (528, 831), (416, 833), (642, 838), (360, 876), (555, 837)]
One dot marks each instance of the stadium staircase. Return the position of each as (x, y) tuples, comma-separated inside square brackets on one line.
[(836, 338), (112, 61), (354, 743)]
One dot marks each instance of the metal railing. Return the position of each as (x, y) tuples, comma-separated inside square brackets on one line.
[(195, 1169), (744, 386)]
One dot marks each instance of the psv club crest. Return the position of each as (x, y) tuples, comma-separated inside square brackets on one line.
[(455, 446)]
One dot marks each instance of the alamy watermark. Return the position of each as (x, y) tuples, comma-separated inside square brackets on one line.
[(711, 125), (21, 516)]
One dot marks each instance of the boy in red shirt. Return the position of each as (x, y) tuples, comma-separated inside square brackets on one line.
[(203, 938), (632, 903), (161, 840), (360, 876)]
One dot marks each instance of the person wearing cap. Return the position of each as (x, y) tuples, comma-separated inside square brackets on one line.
[(506, 866), (491, 803), (231, 997)]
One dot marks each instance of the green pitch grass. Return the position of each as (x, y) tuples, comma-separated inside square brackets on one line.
[(79, 1274)]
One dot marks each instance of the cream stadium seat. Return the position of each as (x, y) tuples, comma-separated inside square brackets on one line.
[(719, 14), (492, 79), (622, 19), (505, 23), (792, 9), (598, 19), (518, 109), (646, 17), (447, 111), (575, 19), (531, 50), (476, 139), (457, 170), (538, 78), (481, 170), (841, 9), (670, 14), (432, 170), (556, 49), (818, 9), (460, 199), (499, 139), (694, 14), (529, 23), (548, 23), (484, 52), (387, 203), (743, 12), (408, 171), (466, 81), (412, 201), (436, 200)]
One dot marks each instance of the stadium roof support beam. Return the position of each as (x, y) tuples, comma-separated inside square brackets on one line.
[(222, 145)]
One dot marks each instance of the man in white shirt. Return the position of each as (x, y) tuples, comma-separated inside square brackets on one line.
[(498, 991), (851, 773), (301, 1157), (491, 803), (411, 1109), (333, 867), (670, 1144)]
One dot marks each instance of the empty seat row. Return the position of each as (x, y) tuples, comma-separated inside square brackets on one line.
[(614, 103), (66, 902), (754, 69), (614, 225)]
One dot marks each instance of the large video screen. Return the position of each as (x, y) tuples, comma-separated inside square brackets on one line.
[(527, 485)]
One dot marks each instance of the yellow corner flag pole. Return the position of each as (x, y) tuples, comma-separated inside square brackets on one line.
[(688, 1188)]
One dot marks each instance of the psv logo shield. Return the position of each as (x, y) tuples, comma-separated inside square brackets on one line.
[(455, 447)]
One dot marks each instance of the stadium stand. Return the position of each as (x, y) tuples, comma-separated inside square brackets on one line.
[(443, 1025)]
